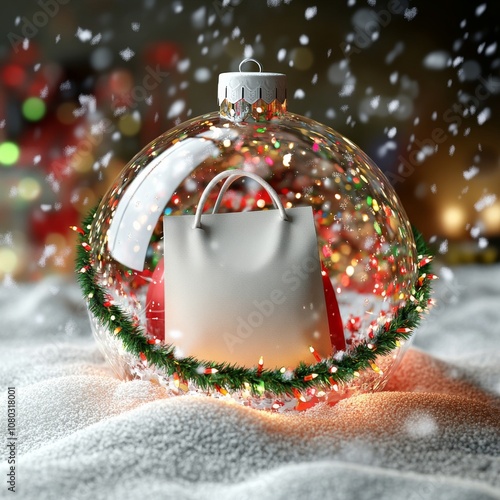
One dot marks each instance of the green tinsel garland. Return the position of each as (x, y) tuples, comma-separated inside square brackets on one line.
[(209, 375)]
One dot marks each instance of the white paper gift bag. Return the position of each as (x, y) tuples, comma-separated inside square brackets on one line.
[(243, 285)]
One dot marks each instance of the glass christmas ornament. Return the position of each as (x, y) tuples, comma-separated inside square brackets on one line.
[(364, 239)]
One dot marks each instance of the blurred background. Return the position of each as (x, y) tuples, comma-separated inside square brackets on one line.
[(85, 85)]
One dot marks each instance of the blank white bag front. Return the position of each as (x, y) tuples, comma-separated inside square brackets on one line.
[(245, 285)]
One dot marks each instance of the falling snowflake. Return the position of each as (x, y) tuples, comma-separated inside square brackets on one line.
[(177, 7), (485, 201), (348, 87), (127, 54), (384, 148), (484, 115), (482, 242), (471, 172), (443, 247), (436, 60), (83, 35), (69, 150), (176, 108), (311, 12), (410, 13), (375, 101), (299, 94), (202, 75), (480, 9), (104, 160), (393, 105), (475, 231), (491, 49), (330, 113), (183, 65), (48, 251), (395, 52)]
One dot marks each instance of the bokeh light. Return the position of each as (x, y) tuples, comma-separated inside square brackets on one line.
[(13, 75), (34, 109), (65, 113), (29, 188), (301, 58), (8, 260), (9, 153), (491, 218), (82, 162), (129, 124), (453, 218)]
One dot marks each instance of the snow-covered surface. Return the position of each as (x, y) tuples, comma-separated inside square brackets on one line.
[(83, 434)]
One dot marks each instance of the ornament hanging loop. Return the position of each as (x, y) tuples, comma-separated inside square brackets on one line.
[(250, 59)]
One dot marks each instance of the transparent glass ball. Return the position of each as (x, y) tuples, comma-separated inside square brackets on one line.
[(365, 240)]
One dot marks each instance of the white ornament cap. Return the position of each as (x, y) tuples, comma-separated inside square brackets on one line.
[(251, 86)]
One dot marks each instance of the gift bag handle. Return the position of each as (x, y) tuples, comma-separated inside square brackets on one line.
[(231, 176), (226, 186)]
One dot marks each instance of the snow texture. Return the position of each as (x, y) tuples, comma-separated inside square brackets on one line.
[(434, 433)]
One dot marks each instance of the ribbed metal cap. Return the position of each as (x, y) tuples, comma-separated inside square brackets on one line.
[(251, 86)]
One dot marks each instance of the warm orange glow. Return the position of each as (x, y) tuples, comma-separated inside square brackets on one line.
[(491, 218), (453, 220)]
